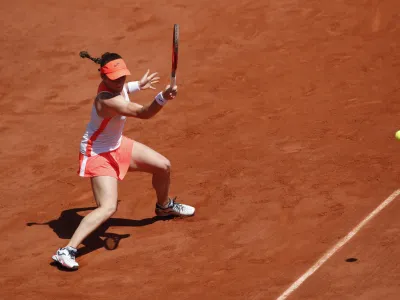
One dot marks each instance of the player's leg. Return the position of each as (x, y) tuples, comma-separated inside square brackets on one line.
[(145, 159), (105, 191)]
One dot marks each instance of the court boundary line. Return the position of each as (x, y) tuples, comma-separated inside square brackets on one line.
[(337, 246)]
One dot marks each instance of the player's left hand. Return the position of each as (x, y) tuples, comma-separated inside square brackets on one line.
[(147, 81)]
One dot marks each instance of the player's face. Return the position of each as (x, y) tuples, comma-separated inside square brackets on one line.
[(115, 85)]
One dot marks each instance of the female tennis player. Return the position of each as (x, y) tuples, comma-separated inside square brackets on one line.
[(106, 155)]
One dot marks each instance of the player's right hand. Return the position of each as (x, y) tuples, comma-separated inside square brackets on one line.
[(170, 93)]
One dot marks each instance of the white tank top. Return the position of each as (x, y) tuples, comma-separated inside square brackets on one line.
[(103, 134)]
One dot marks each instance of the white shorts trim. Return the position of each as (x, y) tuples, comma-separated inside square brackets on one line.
[(83, 166)]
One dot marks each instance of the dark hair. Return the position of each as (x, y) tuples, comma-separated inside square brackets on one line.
[(103, 60)]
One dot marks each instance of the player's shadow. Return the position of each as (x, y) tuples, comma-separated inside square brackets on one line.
[(69, 220)]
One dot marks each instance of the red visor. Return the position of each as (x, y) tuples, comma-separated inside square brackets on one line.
[(115, 69)]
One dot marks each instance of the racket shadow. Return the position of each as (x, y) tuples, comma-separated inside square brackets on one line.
[(65, 225)]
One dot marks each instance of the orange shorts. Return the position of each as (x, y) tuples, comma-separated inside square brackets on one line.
[(114, 163)]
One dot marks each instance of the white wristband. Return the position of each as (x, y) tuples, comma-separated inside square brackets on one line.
[(160, 99), (133, 86)]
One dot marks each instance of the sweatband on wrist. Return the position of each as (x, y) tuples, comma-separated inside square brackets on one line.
[(133, 86), (160, 99)]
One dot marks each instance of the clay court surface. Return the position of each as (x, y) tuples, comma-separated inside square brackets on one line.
[(282, 137)]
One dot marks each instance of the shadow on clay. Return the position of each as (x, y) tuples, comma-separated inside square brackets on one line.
[(69, 220)]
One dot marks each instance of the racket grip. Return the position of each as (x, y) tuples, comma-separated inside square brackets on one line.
[(173, 81)]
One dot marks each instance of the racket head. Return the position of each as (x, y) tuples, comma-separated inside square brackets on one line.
[(175, 47)]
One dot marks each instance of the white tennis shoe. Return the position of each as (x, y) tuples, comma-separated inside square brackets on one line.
[(174, 209), (66, 257)]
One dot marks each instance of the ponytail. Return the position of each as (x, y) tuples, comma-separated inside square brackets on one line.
[(85, 54), (103, 60)]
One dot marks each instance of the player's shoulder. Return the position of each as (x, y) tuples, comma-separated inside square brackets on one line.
[(104, 95), (109, 99)]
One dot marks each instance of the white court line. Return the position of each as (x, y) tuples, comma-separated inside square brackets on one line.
[(339, 245)]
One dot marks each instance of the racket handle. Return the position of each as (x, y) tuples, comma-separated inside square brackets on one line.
[(173, 81)]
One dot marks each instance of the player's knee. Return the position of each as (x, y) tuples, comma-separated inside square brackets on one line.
[(109, 210), (165, 166)]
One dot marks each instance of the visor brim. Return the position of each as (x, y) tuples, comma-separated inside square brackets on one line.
[(117, 74)]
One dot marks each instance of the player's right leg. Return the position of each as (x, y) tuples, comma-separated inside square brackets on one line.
[(145, 159), (105, 190)]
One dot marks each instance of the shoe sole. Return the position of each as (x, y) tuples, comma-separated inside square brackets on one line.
[(62, 264), (173, 215)]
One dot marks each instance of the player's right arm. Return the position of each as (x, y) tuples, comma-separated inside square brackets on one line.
[(108, 106)]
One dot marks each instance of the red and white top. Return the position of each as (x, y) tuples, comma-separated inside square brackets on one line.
[(104, 134)]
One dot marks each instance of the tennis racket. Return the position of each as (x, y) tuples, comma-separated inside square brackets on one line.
[(175, 43)]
